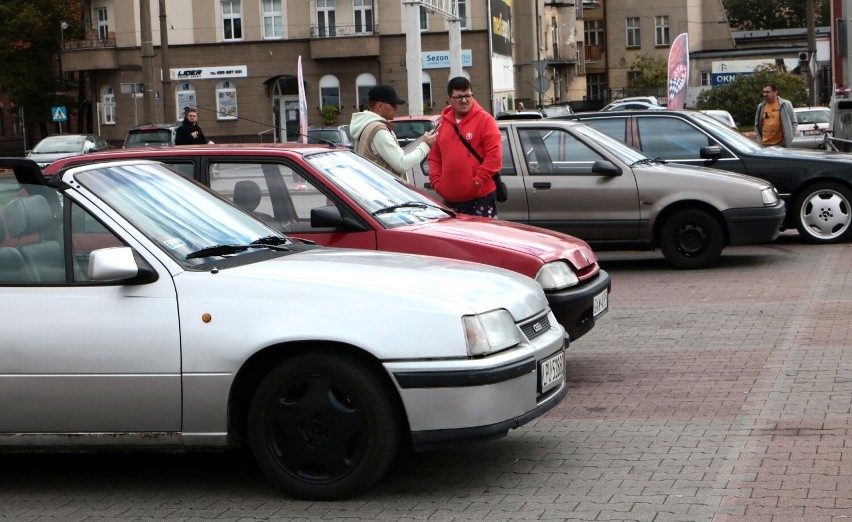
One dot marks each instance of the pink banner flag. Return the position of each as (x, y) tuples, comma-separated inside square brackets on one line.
[(303, 105), (678, 72)]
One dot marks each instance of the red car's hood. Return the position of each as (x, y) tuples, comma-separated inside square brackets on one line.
[(547, 245)]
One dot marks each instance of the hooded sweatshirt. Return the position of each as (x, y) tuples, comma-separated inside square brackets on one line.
[(384, 144), (454, 172)]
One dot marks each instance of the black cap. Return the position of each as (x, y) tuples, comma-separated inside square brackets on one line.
[(384, 93)]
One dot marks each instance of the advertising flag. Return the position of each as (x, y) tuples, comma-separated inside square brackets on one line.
[(678, 72), (303, 105)]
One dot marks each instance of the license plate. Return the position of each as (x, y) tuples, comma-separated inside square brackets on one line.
[(599, 304), (551, 371), (811, 132)]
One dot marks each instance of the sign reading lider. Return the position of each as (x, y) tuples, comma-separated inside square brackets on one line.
[(207, 73), (441, 59)]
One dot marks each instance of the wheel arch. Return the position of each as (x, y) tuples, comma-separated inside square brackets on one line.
[(252, 372), (668, 211)]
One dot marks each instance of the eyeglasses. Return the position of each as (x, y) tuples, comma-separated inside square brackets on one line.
[(767, 92), (460, 97)]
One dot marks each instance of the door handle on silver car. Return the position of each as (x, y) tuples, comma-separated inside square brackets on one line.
[(541, 185)]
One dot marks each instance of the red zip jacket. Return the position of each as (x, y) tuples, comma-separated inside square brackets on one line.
[(454, 172)]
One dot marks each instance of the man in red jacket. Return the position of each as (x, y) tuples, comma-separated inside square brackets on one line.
[(457, 174)]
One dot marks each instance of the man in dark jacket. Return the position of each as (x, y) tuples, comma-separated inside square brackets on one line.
[(189, 133)]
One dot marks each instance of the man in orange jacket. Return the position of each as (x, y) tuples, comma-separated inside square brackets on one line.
[(457, 174)]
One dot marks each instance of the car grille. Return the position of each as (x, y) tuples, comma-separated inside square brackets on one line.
[(536, 327)]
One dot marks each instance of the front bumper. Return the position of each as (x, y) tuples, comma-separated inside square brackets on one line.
[(573, 306), (453, 402), (754, 225)]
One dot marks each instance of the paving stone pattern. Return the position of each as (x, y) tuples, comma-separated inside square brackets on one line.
[(718, 395)]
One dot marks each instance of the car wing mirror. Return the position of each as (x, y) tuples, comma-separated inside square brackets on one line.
[(711, 153), (605, 168), (119, 264), (331, 217)]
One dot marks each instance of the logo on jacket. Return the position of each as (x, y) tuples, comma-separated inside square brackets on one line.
[(468, 136)]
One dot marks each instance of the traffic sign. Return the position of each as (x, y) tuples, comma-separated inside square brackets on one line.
[(59, 113), (541, 84)]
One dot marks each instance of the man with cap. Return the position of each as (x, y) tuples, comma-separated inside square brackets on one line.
[(374, 139)]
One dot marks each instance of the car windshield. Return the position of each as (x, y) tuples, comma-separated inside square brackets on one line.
[(322, 136), (733, 138), (179, 215), (375, 190), (149, 137), (58, 144), (813, 116), (624, 152)]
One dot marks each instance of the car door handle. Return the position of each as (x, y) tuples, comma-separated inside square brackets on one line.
[(541, 185), (427, 185)]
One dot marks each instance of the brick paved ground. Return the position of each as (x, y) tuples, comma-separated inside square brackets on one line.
[(723, 394)]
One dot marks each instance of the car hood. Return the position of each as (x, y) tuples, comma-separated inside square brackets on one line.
[(802, 155), (442, 284), (706, 173), (544, 244)]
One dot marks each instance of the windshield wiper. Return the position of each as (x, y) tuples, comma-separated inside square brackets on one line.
[(407, 204), (271, 241), (223, 250), (643, 161)]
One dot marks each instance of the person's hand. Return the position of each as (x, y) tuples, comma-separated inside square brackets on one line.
[(195, 134), (430, 137)]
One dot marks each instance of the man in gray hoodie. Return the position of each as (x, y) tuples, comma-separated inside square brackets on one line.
[(374, 139), (775, 121)]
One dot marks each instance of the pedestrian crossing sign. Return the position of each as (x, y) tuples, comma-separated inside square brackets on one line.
[(59, 113)]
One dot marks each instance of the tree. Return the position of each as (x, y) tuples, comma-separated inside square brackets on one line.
[(741, 96), (652, 75), (29, 45), (749, 15)]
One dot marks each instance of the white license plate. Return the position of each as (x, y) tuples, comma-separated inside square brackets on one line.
[(811, 133), (599, 304), (551, 371)]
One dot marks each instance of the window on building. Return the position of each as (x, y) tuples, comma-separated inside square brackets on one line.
[(632, 77), (273, 20), (325, 18), (424, 19), (232, 20), (363, 16), (554, 37), (427, 92), (363, 83), (594, 32), (595, 86), (185, 97), (330, 91), (18, 124), (103, 23), (107, 105), (661, 30), (226, 100), (705, 78), (633, 32), (461, 10)]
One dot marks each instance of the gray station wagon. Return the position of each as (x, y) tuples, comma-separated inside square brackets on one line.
[(568, 177)]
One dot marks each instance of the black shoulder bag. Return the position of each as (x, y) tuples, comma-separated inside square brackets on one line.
[(502, 189)]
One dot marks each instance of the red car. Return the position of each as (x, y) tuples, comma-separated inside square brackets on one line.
[(336, 198)]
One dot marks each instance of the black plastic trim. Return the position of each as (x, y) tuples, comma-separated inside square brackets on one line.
[(462, 378)]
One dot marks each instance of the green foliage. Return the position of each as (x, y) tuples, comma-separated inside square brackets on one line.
[(653, 75), (329, 114), (741, 96), (29, 44), (750, 15)]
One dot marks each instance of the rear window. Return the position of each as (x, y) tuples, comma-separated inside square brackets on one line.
[(148, 138), (412, 129)]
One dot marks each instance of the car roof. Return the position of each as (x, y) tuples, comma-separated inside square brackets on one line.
[(155, 126), (226, 149), (814, 108), (431, 117)]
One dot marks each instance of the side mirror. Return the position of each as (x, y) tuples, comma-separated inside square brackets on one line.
[(711, 153), (119, 264), (330, 217), (606, 168)]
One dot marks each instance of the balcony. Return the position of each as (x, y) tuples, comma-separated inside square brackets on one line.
[(595, 53), (343, 41), (92, 54)]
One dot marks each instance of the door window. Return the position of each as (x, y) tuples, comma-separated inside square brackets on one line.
[(671, 139), (556, 152)]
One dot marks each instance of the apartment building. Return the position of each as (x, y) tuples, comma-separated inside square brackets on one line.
[(236, 60)]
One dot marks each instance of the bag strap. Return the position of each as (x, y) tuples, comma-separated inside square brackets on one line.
[(466, 144)]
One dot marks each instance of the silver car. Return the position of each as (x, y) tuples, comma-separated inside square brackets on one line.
[(568, 177), (139, 309)]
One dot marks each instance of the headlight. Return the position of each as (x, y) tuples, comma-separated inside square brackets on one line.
[(556, 276), (489, 332), (769, 195)]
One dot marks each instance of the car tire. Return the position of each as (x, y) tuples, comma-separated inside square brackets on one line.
[(691, 239), (324, 425), (823, 213)]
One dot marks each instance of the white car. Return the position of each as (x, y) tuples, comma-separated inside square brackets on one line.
[(139, 309), (723, 116), (813, 124)]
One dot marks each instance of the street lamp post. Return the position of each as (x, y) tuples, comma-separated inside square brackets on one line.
[(62, 27)]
